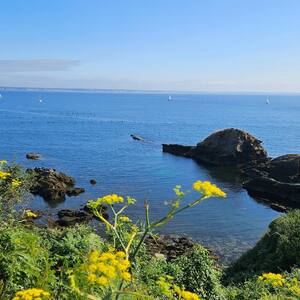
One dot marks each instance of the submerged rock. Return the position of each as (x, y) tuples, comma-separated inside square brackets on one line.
[(228, 147), (52, 185), (33, 156), (170, 246)]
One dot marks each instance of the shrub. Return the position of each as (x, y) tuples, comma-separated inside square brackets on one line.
[(277, 251)]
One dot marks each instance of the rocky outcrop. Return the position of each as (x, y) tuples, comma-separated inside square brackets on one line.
[(69, 217), (93, 182), (170, 246), (228, 147), (277, 181), (33, 156), (52, 185)]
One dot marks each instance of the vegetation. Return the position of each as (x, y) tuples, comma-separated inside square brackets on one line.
[(277, 251), (75, 263)]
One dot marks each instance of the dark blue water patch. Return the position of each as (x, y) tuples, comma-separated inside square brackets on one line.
[(87, 135)]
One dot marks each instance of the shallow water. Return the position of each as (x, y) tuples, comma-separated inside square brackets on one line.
[(87, 135)]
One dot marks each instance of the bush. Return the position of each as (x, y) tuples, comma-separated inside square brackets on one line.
[(277, 251), (196, 271)]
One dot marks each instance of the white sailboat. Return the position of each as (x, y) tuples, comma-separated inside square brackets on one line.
[(268, 101), (169, 98), (40, 99)]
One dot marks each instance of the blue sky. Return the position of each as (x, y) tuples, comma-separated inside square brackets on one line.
[(192, 45)]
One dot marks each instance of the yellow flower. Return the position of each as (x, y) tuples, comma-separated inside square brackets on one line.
[(3, 162), (272, 279), (15, 183), (189, 296), (108, 199), (104, 268), (30, 214), (4, 175), (208, 189), (124, 219), (31, 294), (126, 276)]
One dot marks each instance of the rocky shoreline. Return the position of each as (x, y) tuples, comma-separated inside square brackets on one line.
[(276, 181)]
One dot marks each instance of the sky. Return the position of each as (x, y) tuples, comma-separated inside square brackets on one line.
[(190, 45)]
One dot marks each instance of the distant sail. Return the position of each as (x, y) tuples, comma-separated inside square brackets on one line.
[(0, 96), (170, 98), (40, 99), (268, 101)]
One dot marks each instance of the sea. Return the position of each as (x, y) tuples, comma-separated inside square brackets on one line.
[(86, 134)]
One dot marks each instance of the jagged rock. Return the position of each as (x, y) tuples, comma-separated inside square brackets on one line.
[(171, 246), (228, 147), (93, 181), (33, 156), (285, 168), (68, 217), (52, 185), (271, 190)]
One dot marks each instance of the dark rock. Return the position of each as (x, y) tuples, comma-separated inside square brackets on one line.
[(228, 147), (33, 156), (285, 168), (179, 150), (75, 191), (69, 217), (171, 246), (93, 181), (136, 137), (271, 190), (50, 184)]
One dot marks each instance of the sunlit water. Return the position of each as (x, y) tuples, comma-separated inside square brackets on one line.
[(87, 135)]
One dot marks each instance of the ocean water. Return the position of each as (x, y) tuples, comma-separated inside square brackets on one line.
[(87, 135)]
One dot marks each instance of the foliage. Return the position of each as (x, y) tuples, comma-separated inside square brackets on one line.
[(14, 184), (277, 251), (268, 286)]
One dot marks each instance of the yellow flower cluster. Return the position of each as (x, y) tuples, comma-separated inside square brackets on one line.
[(30, 214), (16, 183), (171, 290), (104, 268), (272, 279), (124, 219), (4, 175), (208, 189), (108, 199), (3, 162), (31, 294)]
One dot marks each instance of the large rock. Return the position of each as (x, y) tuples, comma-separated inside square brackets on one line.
[(228, 147), (277, 181), (285, 168), (52, 185), (273, 191), (69, 217)]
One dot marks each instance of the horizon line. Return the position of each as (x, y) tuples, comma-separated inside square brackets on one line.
[(99, 90)]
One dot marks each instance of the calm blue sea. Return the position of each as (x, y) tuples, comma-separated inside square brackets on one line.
[(87, 135)]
